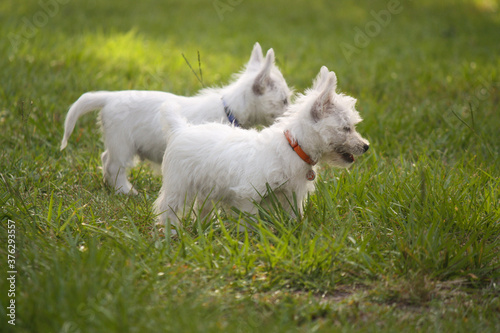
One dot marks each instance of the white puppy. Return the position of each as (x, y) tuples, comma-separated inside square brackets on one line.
[(131, 124), (235, 167)]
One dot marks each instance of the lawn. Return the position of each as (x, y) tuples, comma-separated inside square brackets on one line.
[(406, 240)]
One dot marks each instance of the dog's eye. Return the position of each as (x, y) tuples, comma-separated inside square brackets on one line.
[(285, 101), (347, 129)]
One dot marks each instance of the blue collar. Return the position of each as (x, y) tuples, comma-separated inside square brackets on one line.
[(232, 119)]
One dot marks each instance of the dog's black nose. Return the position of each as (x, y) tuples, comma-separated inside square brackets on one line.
[(365, 147)]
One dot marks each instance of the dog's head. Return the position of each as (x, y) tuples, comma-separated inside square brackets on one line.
[(268, 93), (333, 118)]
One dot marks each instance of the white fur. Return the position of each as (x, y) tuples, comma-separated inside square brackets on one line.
[(232, 166), (131, 121)]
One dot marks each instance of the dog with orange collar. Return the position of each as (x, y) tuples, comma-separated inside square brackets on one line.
[(212, 164)]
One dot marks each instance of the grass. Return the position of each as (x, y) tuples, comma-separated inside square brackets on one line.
[(406, 240)]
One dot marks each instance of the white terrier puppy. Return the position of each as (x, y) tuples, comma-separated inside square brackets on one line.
[(215, 164), (131, 124)]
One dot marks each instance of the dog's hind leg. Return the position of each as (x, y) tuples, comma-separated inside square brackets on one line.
[(166, 207), (115, 174)]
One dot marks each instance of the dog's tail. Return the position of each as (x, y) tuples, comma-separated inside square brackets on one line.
[(90, 101), (171, 120)]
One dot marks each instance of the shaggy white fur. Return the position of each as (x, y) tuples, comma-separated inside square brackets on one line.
[(234, 167), (131, 121)]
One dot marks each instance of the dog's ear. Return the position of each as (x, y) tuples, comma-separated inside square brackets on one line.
[(256, 58), (262, 79), (331, 83), (321, 79), (321, 106)]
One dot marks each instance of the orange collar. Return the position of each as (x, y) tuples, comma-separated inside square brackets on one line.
[(295, 146)]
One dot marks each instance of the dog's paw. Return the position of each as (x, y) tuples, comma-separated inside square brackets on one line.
[(131, 191), (162, 229)]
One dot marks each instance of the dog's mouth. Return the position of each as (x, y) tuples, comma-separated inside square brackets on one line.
[(349, 158)]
